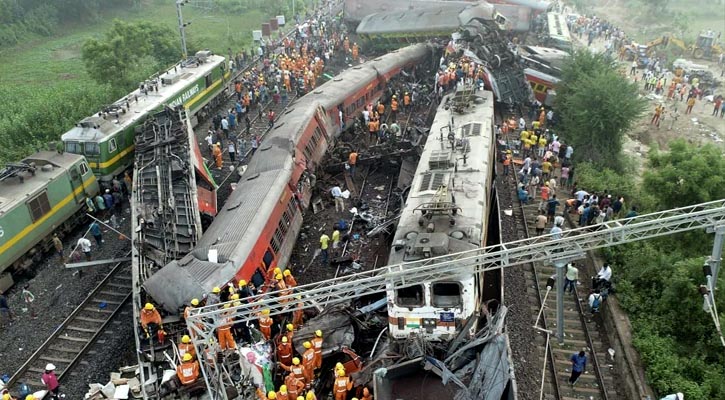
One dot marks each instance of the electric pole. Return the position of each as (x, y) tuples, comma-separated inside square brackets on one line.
[(179, 4)]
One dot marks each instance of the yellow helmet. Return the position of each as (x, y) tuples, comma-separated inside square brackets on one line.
[(265, 311), (354, 398), (30, 397), (216, 290), (185, 339), (231, 289), (235, 296), (339, 366), (6, 396), (242, 283), (283, 389), (296, 361), (149, 307), (194, 302), (277, 271), (237, 303), (278, 277), (284, 339), (341, 372), (287, 272), (310, 396), (290, 327), (187, 357), (318, 333), (272, 395), (307, 345)]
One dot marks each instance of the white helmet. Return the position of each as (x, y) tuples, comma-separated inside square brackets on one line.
[(50, 367), (680, 396)]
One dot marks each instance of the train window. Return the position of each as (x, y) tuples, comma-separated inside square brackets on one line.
[(39, 206), (276, 242), (84, 168), (112, 146), (268, 257), (283, 227), (74, 147), (411, 296), (92, 148), (446, 294)]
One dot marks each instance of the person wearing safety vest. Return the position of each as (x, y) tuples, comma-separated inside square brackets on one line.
[(282, 393), (290, 332), (272, 272), (317, 346), (194, 303), (297, 369), (224, 332), (150, 319), (284, 352), (394, 107), (188, 370), (341, 386), (289, 280), (298, 315), (186, 347), (308, 361), (310, 396), (265, 324), (294, 385)]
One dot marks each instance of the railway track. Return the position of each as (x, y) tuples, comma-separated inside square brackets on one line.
[(580, 331), (72, 339)]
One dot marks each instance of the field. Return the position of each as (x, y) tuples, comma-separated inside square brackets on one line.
[(50, 63)]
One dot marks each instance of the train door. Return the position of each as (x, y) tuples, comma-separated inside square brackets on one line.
[(76, 181)]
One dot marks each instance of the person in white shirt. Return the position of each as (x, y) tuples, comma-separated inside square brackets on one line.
[(85, 246), (522, 123), (556, 231), (339, 201), (676, 396), (603, 278)]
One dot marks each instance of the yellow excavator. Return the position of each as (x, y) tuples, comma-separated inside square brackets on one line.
[(705, 46)]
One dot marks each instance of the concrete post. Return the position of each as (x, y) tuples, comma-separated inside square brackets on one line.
[(560, 276)]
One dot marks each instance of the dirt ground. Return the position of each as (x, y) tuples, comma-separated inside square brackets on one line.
[(699, 128)]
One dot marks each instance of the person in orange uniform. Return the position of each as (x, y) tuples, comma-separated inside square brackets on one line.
[(282, 393), (265, 324), (366, 394), (224, 332), (290, 332), (317, 346), (297, 369), (381, 109), (342, 385), (394, 107), (284, 352), (310, 396), (186, 347), (150, 319), (289, 280), (294, 385), (308, 361), (187, 310), (188, 370), (355, 51), (298, 315), (217, 153), (272, 272)]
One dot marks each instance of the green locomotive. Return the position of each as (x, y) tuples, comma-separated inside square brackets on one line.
[(107, 138), (42, 194)]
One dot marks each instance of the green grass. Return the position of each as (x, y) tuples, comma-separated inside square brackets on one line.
[(56, 62)]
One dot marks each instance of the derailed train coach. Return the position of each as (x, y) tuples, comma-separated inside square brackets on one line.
[(259, 223)]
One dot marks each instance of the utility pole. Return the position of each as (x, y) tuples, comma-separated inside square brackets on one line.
[(179, 4)]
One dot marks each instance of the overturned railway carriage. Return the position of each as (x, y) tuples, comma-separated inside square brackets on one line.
[(259, 223), (42, 194), (107, 138), (447, 211)]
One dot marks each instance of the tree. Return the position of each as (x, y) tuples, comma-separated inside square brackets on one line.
[(597, 106), (686, 174), (128, 52)]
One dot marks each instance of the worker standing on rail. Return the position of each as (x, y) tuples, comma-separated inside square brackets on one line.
[(342, 385), (317, 346), (186, 347), (188, 370), (50, 380), (265, 324), (151, 320), (578, 365), (224, 332)]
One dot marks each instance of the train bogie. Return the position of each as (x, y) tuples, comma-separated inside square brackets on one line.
[(45, 194), (107, 138)]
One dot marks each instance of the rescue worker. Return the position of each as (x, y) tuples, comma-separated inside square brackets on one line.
[(217, 153), (294, 385), (284, 351), (296, 369), (381, 109), (151, 320), (298, 314), (342, 385), (224, 332), (50, 380), (282, 393), (339, 369), (272, 272), (355, 51), (272, 395), (243, 291), (308, 361), (394, 107), (186, 347), (213, 298), (366, 394), (280, 286), (265, 324), (310, 395), (317, 346), (188, 370), (194, 303), (406, 101), (289, 280)]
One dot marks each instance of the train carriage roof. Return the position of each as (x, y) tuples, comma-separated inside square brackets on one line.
[(441, 17), (12, 191), (132, 108)]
